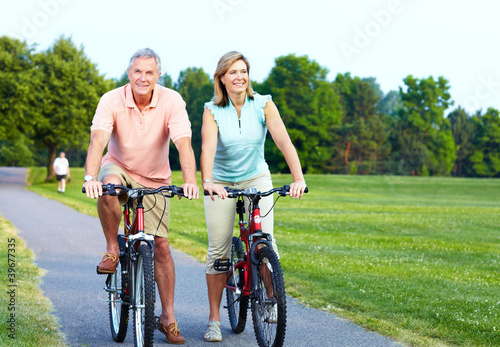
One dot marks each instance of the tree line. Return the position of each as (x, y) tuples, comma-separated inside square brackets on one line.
[(344, 126)]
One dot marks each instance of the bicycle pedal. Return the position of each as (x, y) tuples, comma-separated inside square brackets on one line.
[(102, 273), (222, 264), (99, 272)]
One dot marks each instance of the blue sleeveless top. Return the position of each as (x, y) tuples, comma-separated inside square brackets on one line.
[(240, 143)]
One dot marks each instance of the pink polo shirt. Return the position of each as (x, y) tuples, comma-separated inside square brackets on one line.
[(139, 142)]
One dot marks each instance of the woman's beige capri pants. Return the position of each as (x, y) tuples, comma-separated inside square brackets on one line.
[(220, 216)]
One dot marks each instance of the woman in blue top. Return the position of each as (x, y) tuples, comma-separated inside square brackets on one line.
[(234, 129)]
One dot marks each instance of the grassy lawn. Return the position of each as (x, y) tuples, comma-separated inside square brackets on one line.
[(414, 258), (25, 312)]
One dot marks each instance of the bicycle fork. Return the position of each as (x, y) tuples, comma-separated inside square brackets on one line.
[(133, 243)]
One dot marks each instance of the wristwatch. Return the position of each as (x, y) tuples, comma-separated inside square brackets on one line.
[(89, 178), (207, 181)]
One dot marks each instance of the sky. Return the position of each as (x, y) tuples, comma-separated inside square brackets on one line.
[(384, 39)]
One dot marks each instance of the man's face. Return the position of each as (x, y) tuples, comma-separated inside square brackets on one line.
[(143, 75)]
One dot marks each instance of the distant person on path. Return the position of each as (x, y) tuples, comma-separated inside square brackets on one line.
[(61, 168), (138, 120), (234, 130)]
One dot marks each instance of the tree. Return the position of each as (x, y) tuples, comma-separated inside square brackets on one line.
[(68, 88), (390, 104), (422, 139), (196, 88), (464, 131), (310, 109), (486, 157), (372, 81), (166, 81), (363, 134), (16, 122), (17, 152), (123, 80)]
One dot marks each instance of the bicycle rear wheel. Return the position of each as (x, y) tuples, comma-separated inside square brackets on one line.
[(269, 304), (118, 299), (237, 304), (144, 315)]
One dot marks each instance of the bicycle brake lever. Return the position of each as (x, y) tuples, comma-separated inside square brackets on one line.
[(230, 192), (178, 191), (285, 190)]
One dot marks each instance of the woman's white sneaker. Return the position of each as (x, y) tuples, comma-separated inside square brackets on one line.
[(213, 332)]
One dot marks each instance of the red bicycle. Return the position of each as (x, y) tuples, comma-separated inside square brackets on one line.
[(254, 273), (132, 286)]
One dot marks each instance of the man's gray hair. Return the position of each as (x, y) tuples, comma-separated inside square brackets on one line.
[(145, 53)]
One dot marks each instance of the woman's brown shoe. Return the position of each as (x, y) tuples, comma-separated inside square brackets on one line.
[(171, 331)]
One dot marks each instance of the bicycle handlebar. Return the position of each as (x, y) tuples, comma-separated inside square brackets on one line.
[(111, 189), (234, 193)]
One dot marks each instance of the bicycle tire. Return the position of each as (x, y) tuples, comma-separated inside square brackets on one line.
[(144, 315), (118, 300), (237, 304), (269, 300)]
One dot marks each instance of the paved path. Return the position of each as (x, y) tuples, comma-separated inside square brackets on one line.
[(68, 245)]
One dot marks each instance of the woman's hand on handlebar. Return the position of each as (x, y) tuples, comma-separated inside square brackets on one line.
[(212, 188), (93, 189), (297, 189)]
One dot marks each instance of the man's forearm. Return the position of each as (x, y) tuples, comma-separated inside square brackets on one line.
[(93, 162), (188, 166), (98, 142), (187, 160)]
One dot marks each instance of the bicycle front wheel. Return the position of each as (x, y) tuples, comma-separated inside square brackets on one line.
[(144, 295), (118, 298), (269, 303), (237, 303)]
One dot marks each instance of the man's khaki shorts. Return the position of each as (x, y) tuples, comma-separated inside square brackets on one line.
[(156, 207)]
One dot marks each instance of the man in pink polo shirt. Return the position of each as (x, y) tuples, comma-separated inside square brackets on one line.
[(136, 122)]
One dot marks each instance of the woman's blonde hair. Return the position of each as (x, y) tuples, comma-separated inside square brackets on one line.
[(220, 93)]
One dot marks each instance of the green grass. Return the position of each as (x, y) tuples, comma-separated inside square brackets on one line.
[(26, 318), (414, 258)]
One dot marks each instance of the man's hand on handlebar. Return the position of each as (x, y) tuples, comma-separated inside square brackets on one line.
[(191, 191), (93, 189)]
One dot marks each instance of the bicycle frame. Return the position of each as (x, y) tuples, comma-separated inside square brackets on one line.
[(134, 235), (252, 236), (133, 287), (254, 274)]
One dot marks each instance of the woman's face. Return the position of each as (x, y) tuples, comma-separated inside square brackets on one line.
[(236, 78)]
